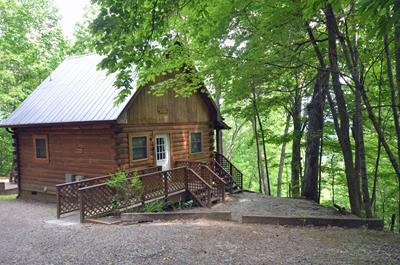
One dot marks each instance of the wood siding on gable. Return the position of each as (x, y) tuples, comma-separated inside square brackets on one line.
[(85, 151), (167, 109)]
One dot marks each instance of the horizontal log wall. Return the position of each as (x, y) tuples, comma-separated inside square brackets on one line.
[(79, 150), (179, 143)]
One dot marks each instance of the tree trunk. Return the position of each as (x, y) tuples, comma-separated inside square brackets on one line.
[(332, 172), (343, 129), (220, 144), (259, 166), (315, 125), (360, 154), (265, 172), (266, 182), (376, 171), (359, 137), (392, 93), (320, 166), (397, 52), (233, 141), (282, 159), (296, 145), (381, 135)]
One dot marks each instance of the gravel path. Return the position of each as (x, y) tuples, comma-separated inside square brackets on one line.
[(30, 234)]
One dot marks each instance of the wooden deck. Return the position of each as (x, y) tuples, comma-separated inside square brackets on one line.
[(7, 188)]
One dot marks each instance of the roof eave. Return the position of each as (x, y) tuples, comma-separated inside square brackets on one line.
[(55, 124)]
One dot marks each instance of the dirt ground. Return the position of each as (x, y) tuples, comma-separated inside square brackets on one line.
[(247, 203), (30, 234)]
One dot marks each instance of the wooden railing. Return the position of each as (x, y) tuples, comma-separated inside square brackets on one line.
[(205, 183), (195, 165), (199, 188), (68, 195), (217, 183), (230, 168), (220, 171), (98, 200)]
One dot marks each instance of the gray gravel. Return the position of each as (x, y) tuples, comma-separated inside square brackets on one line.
[(30, 234), (247, 203)]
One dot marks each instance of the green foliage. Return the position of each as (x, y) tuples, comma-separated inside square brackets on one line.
[(154, 207), (82, 40), (128, 190), (8, 197), (230, 46), (182, 205), (31, 46), (6, 152), (237, 45)]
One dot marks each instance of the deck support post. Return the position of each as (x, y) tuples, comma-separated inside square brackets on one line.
[(219, 140), (165, 178)]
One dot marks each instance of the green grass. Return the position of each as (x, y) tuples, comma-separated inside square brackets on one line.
[(8, 197)]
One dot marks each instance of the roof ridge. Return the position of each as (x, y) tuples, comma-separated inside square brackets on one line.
[(79, 55)]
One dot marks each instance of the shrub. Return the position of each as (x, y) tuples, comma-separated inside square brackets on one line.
[(128, 190), (154, 207)]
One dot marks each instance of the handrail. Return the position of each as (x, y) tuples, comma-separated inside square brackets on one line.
[(81, 181), (200, 178), (218, 183), (130, 178), (105, 176), (233, 165), (215, 175), (222, 168)]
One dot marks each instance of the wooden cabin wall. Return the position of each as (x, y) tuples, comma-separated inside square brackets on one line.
[(79, 150), (167, 114), (167, 109), (178, 138)]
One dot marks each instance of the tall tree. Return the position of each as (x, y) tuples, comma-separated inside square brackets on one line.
[(31, 45)]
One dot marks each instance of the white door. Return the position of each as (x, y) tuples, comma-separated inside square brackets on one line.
[(162, 151)]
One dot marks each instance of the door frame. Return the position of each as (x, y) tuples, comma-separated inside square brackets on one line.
[(167, 135)]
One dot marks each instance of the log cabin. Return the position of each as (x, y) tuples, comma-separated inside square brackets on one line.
[(69, 129)]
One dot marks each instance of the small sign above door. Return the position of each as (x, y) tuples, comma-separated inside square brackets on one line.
[(162, 109)]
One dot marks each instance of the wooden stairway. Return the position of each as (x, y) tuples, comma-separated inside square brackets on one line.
[(229, 172)]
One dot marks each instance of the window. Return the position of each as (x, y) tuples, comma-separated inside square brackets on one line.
[(195, 143), (139, 147), (41, 150), (160, 148)]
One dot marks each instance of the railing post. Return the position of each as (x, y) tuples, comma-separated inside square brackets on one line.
[(186, 179), (223, 191), (209, 198), (58, 202), (143, 193), (241, 181), (81, 206), (165, 177)]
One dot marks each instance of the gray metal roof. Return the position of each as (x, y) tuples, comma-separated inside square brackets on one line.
[(76, 91)]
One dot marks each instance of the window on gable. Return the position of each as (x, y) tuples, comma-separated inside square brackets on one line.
[(139, 148), (41, 149), (195, 143)]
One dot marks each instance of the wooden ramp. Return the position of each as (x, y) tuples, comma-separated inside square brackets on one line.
[(204, 183)]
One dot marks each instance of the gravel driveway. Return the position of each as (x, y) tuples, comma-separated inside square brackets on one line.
[(30, 234)]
